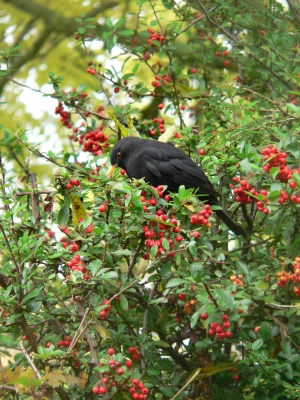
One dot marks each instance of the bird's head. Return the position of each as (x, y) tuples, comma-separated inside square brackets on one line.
[(120, 153)]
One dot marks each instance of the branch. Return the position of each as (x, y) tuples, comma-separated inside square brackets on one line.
[(30, 362)]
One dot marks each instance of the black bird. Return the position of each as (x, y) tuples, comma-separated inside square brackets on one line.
[(163, 164)]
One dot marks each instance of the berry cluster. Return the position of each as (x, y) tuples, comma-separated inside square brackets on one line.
[(276, 158), (283, 277), (138, 390), (103, 313), (237, 279), (157, 36), (220, 330), (65, 343), (235, 377), (113, 366), (94, 141), (189, 307), (76, 264), (135, 353), (161, 80), (160, 126), (202, 217), (65, 117), (73, 182), (91, 71), (66, 242), (244, 191)]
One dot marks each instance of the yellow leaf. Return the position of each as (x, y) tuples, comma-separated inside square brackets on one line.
[(141, 266), (187, 91), (168, 134), (55, 378), (102, 332), (125, 131), (189, 207), (74, 380), (206, 372), (78, 209)]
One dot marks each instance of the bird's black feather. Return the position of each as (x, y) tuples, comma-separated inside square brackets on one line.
[(163, 164)]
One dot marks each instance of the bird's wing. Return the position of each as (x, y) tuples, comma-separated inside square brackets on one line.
[(180, 172)]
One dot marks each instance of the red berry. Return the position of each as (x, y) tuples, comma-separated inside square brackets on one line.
[(193, 70), (224, 317), (196, 234), (102, 314), (69, 186), (75, 247), (120, 371), (225, 53), (201, 152), (226, 324), (204, 316), (218, 54), (128, 363), (160, 106), (116, 89), (132, 350), (179, 238), (102, 208), (236, 377), (111, 351), (182, 296), (96, 390), (262, 32), (226, 63), (102, 390), (292, 185)]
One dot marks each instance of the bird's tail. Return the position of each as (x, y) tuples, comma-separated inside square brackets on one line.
[(232, 225)]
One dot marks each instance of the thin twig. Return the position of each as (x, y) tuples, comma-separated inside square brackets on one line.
[(30, 362)]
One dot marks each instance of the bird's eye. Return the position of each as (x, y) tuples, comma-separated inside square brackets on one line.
[(119, 155)]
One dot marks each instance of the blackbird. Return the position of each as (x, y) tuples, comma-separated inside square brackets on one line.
[(163, 164)]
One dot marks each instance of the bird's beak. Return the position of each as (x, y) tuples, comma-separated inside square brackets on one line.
[(111, 170)]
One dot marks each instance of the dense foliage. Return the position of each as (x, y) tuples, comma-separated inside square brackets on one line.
[(113, 289)]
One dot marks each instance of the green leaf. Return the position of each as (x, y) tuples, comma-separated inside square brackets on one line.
[(63, 216), (82, 88), (242, 267), (166, 391), (30, 295), (272, 196), (94, 266), (226, 297), (274, 171), (175, 282), (165, 244), (124, 302), (247, 166), (195, 317), (109, 23), (126, 33), (122, 252), (160, 343), (196, 271), (265, 330), (257, 344)]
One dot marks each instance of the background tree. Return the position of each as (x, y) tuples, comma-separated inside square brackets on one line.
[(115, 289)]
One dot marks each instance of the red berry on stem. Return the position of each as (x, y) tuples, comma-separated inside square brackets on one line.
[(111, 351)]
